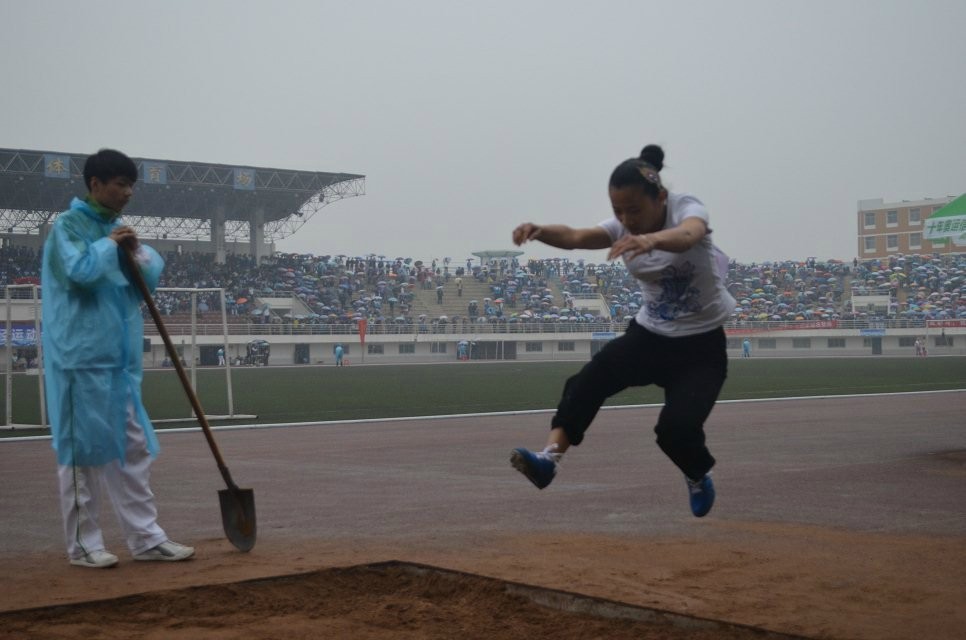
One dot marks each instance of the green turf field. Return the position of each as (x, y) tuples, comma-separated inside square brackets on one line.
[(309, 394)]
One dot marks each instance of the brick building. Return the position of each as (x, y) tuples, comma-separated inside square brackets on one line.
[(890, 228)]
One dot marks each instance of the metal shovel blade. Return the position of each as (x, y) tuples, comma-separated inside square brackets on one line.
[(238, 516)]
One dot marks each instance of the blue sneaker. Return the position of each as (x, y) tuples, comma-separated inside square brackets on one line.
[(702, 495), (539, 468)]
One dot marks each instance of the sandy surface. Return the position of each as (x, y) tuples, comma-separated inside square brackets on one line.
[(353, 603), (797, 580), (848, 527)]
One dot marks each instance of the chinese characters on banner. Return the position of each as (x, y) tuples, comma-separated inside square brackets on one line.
[(23, 335)]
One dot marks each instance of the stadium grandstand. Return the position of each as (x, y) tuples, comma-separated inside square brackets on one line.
[(405, 309)]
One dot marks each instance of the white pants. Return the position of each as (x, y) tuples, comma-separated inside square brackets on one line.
[(81, 489)]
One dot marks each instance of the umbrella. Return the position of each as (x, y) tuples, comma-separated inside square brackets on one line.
[(948, 223), (241, 301)]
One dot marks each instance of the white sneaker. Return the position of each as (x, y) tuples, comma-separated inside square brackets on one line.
[(167, 551), (96, 560)]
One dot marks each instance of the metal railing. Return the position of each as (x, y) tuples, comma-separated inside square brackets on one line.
[(501, 328)]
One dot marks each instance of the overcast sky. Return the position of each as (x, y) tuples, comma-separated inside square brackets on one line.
[(468, 118)]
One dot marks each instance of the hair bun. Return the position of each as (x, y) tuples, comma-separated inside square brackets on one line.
[(653, 155)]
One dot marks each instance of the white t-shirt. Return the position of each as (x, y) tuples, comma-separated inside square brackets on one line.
[(683, 293)]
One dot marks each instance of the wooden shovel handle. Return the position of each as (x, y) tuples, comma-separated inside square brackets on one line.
[(173, 354)]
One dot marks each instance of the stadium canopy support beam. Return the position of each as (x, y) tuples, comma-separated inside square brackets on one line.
[(218, 233), (257, 238)]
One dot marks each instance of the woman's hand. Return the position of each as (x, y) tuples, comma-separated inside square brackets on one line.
[(526, 232), (632, 246)]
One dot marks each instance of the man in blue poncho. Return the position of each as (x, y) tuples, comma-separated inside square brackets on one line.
[(339, 353), (92, 338)]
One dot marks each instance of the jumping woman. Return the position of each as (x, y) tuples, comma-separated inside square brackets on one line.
[(676, 341)]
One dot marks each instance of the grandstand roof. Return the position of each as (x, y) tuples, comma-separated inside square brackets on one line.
[(36, 185), (500, 253)]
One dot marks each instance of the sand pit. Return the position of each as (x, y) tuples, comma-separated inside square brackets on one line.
[(386, 600)]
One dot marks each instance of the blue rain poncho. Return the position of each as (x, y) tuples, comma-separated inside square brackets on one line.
[(92, 338)]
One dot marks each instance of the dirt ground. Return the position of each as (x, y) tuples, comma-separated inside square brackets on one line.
[(845, 529), (797, 580), (348, 603)]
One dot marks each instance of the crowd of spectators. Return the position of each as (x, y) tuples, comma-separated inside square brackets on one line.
[(340, 290), (523, 293), (19, 265), (331, 289), (919, 286)]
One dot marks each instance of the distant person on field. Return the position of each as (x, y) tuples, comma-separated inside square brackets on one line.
[(92, 339), (746, 348), (221, 356), (676, 341), (339, 353)]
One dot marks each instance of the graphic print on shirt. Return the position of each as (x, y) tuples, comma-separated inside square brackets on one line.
[(677, 297)]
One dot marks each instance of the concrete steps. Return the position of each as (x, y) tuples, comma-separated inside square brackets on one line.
[(453, 305)]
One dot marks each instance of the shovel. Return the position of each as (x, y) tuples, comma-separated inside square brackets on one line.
[(237, 505)]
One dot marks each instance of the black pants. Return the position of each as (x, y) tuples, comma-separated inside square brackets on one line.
[(690, 369)]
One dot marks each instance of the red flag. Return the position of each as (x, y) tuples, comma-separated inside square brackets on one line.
[(362, 332)]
